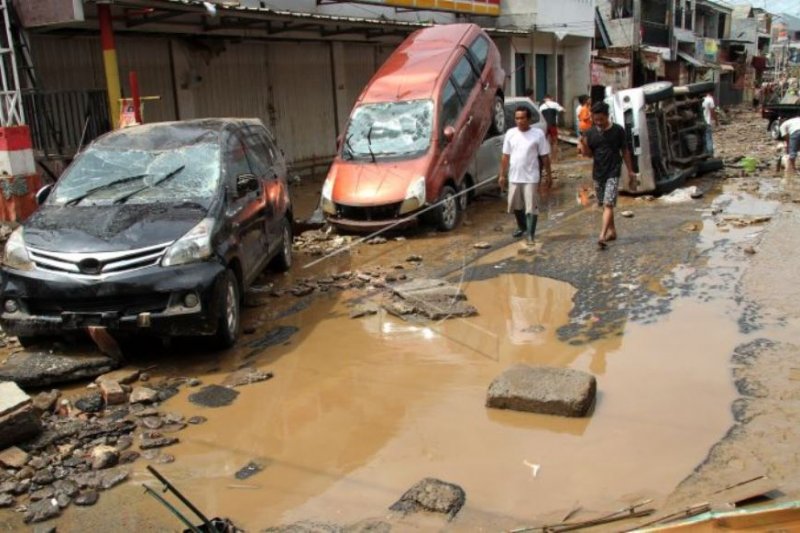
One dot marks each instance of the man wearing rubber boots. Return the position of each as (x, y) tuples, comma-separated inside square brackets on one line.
[(523, 147)]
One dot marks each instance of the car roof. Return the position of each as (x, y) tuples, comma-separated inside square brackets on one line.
[(413, 69), (519, 100), (171, 135)]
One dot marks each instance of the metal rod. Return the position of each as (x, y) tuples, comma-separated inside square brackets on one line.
[(172, 509), (168, 486)]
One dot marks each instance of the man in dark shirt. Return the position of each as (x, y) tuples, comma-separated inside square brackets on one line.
[(605, 143)]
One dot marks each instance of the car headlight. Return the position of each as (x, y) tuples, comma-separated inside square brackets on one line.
[(327, 196), (16, 255), (192, 247), (415, 196)]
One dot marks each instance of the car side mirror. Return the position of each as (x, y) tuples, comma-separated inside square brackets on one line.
[(449, 133), (245, 183), (42, 194)]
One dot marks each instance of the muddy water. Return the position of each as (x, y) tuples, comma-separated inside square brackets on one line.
[(361, 409)]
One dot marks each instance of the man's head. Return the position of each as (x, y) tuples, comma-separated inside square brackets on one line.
[(528, 93), (548, 97), (522, 118), (582, 99), (600, 115)]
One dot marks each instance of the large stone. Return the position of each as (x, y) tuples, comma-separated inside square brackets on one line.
[(113, 477), (13, 457), (6, 500), (433, 495), (104, 457), (148, 443), (123, 376), (86, 498), (551, 391), (214, 396), (144, 395), (39, 369), (433, 299), (45, 401), (246, 376), (18, 420), (42, 510), (90, 403)]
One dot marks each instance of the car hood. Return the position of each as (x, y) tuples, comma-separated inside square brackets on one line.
[(365, 183), (108, 228)]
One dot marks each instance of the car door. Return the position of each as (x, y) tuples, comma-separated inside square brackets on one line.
[(478, 54), (262, 161), (245, 204), (468, 123)]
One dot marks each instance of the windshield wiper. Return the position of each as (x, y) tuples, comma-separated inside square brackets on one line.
[(124, 198), (369, 142), (350, 152), (77, 199)]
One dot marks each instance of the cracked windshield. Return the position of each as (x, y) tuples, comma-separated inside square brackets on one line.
[(303, 266)]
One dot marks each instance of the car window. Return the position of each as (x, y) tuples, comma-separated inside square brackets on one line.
[(451, 105), (464, 77), (235, 157), (480, 51), (258, 153)]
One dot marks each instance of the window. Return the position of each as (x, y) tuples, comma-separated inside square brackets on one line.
[(451, 105), (236, 160), (480, 52), (679, 14), (621, 9), (464, 78), (258, 153)]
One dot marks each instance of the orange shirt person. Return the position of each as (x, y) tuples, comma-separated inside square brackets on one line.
[(585, 116)]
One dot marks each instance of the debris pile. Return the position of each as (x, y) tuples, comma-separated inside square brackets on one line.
[(320, 242)]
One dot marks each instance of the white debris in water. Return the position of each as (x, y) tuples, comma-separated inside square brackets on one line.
[(680, 195)]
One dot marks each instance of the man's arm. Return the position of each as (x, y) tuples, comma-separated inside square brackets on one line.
[(502, 177), (626, 156), (548, 180)]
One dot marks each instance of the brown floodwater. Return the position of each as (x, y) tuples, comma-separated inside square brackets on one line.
[(361, 409)]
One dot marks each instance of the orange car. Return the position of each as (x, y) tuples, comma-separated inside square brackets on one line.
[(414, 130)]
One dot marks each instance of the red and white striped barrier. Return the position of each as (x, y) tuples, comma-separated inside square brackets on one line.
[(18, 178)]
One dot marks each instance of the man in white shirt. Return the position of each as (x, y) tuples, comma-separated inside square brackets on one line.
[(790, 132), (519, 169), (710, 116)]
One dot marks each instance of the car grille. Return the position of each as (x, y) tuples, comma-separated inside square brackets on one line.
[(369, 213), (100, 264), (126, 305)]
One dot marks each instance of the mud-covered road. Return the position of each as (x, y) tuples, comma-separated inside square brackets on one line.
[(688, 322)]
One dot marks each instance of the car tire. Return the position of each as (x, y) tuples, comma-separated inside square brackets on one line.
[(29, 341), (448, 212), (703, 87), (230, 312), (775, 130), (498, 126), (709, 165), (283, 261), (657, 91)]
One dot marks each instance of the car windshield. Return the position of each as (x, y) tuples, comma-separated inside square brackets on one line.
[(105, 175), (389, 129)]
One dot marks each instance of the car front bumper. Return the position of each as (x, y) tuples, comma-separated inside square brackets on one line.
[(149, 300)]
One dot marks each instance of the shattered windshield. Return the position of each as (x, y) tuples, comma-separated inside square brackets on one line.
[(389, 129), (105, 176)]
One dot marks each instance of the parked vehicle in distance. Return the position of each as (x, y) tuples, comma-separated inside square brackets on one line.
[(414, 130), (157, 228), (665, 130)]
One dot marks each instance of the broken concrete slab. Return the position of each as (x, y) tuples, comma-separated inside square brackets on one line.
[(112, 392), (123, 376), (246, 376), (544, 390), (143, 395), (427, 287), (431, 299), (18, 418), (434, 495), (40, 369)]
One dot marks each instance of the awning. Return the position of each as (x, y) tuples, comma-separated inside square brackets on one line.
[(693, 61)]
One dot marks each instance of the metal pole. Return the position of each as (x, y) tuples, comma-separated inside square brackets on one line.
[(172, 509), (110, 61), (181, 497)]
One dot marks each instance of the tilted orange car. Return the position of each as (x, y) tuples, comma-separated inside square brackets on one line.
[(414, 130)]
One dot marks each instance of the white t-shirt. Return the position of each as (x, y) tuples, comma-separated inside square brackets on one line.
[(790, 126), (708, 105), (551, 104), (524, 149)]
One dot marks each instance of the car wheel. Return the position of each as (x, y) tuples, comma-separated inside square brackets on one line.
[(657, 91), (283, 261), (710, 165), (229, 312), (29, 341), (448, 212), (775, 130), (498, 126)]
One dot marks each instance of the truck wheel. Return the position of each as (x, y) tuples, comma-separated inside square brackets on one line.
[(775, 130), (283, 261), (448, 212), (657, 91), (703, 87), (498, 126), (230, 309)]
